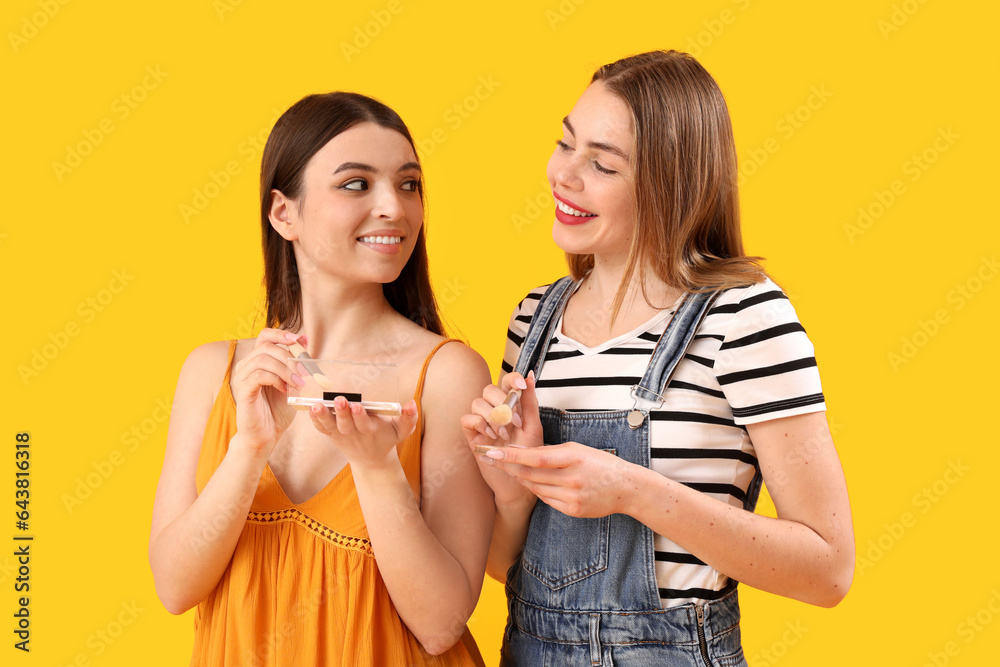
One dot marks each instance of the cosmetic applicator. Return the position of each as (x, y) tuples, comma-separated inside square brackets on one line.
[(321, 379), (502, 414)]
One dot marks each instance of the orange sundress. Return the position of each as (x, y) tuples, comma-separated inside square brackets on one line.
[(303, 587)]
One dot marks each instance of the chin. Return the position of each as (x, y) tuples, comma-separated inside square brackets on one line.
[(570, 242)]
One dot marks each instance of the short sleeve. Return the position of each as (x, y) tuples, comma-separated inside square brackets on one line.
[(517, 328), (766, 365)]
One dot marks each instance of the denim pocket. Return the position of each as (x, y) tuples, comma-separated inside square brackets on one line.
[(561, 550)]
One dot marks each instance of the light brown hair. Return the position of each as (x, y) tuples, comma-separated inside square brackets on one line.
[(683, 161), (299, 134)]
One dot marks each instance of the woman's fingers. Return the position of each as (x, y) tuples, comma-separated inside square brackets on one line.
[(281, 337), (264, 368), (344, 416), (322, 419), (478, 424), (407, 420)]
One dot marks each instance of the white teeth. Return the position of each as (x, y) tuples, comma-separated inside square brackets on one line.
[(384, 240), (572, 211)]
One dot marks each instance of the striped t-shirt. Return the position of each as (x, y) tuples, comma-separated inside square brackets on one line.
[(749, 362)]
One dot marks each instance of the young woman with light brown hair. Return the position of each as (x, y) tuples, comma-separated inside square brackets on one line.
[(668, 378)]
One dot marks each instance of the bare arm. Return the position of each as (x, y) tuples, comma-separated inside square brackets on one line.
[(192, 537), (514, 503), (431, 557), (806, 553)]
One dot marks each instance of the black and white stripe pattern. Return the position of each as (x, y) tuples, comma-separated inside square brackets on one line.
[(750, 361)]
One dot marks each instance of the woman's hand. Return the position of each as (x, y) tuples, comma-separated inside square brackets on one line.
[(524, 431), (260, 384), (366, 440), (577, 480)]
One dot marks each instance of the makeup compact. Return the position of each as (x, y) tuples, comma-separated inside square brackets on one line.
[(375, 386)]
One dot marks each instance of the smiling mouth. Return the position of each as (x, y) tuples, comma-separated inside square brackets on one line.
[(569, 210), (381, 240)]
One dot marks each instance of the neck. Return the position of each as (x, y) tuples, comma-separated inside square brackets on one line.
[(606, 277), (344, 321)]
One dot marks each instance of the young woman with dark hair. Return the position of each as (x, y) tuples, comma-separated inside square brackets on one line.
[(328, 537), (667, 377)]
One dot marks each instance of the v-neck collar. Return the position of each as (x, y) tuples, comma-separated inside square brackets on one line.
[(651, 323)]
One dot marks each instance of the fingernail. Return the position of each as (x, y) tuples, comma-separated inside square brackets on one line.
[(299, 381), (290, 337), (520, 383), (531, 374), (497, 454), (486, 460), (490, 432), (515, 419), (503, 433)]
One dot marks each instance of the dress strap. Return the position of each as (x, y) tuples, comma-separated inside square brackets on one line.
[(229, 362), (419, 390)]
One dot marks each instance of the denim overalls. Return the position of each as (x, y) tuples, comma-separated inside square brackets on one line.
[(584, 591)]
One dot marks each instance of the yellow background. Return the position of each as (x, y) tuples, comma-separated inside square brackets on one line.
[(831, 102)]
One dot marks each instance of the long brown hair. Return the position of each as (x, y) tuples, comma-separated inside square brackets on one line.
[(299, 134), (683, 162)]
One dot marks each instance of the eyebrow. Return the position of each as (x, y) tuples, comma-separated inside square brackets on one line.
[(599, 145), (361, 166)]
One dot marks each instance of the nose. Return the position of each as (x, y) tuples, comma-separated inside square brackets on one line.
[(387, 204), (565, 171)]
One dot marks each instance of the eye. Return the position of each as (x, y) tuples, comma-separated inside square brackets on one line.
[(598, 167), (412, 185), (563, 146), (356, 185)]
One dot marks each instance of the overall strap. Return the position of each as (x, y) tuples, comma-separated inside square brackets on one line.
[(543, 326), (672, 345)]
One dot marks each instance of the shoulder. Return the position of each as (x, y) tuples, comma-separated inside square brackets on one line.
[(456, 370), (736, 299), (205, 366), (208, 359), (526, 307), (740, 311)]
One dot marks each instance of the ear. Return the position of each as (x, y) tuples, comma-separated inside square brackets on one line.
[(282, 214)]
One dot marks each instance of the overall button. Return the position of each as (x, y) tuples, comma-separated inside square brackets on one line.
[(635, 419)]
